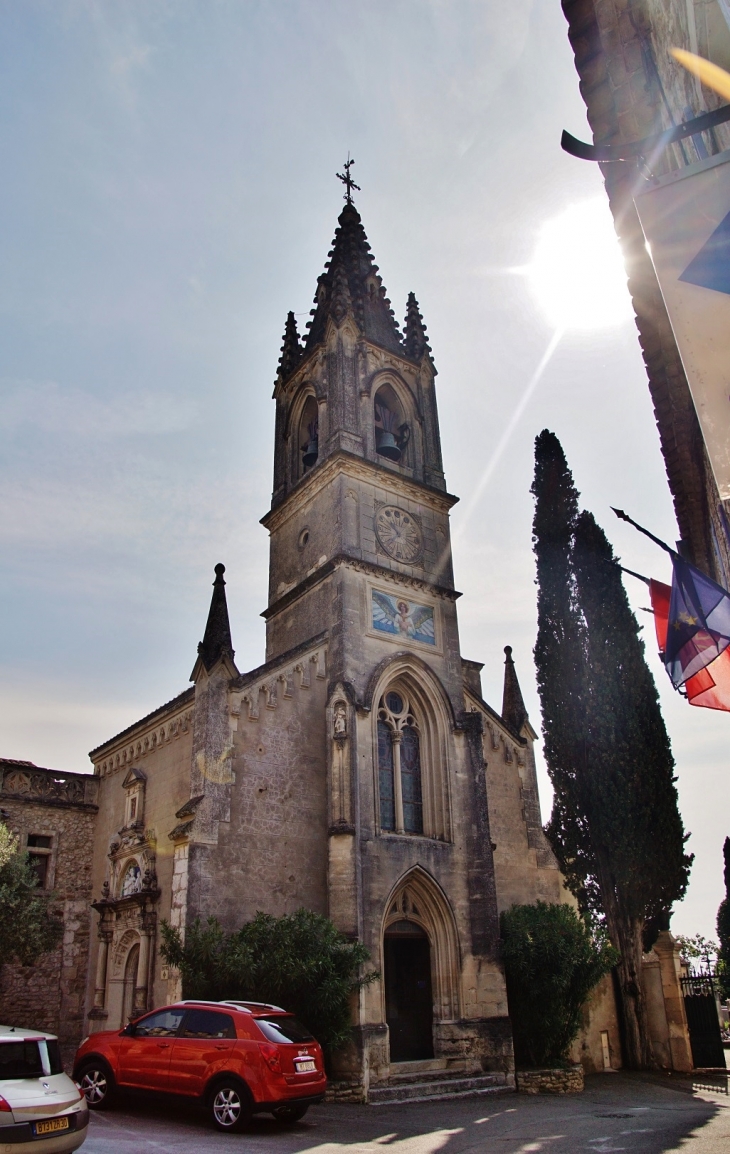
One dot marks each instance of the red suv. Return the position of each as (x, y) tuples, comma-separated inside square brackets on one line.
[(236, 1058)]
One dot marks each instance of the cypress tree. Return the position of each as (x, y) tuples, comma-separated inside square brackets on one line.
[(637, 837), (723, 929), (615, 824), (559, 648)]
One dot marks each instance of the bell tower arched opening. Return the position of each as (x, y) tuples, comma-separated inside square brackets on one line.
[(308, 440), (392, 430)]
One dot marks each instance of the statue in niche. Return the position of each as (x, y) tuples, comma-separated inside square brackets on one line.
[(340, 720), (132, 882), (105, 892)]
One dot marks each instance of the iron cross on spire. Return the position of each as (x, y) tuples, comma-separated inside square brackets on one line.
[(347, 180)]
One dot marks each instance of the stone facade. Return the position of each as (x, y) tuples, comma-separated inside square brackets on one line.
[(632, 88), (54, 815), (264, 790)]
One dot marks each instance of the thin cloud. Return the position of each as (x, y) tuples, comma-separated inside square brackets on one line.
[(51, 407)]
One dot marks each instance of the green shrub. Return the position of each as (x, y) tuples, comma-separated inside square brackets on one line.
[(552, 962), (299, 961)]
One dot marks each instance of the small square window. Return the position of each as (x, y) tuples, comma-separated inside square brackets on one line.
[(39, 863), (39, 841)]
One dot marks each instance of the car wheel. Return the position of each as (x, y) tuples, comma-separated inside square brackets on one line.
[(97, 1083), (230, 1105), (287, 1114)]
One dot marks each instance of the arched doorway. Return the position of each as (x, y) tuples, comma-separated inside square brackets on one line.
[(408, 994), (130, 981)]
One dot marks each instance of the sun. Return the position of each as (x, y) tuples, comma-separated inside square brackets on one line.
[(577, 271)]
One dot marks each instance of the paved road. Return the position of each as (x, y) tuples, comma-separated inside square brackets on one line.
[(616, 1113)]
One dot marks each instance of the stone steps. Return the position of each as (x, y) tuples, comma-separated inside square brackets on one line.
[(436, 1085)]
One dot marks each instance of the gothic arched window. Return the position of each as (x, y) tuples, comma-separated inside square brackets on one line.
[(308, 435), (399, 765), (392, 431)]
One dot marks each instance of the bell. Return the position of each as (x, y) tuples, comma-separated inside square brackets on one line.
[(385, 444), (311, 452)]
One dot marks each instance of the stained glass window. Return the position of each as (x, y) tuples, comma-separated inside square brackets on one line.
[(385, 777), (410, 775)]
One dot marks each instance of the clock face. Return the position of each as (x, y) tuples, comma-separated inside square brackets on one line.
[(398, 533)]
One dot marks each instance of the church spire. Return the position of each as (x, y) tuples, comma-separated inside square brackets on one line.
[(291, 350), (513, 707), (351, 272), (217, 641), (415, 339)]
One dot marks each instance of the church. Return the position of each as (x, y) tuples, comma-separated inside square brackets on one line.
[(358, 772)]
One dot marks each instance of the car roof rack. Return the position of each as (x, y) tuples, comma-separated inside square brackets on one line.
[(260, 1005), (230, 1002)]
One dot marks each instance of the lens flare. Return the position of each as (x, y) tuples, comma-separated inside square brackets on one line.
[(577, 272)]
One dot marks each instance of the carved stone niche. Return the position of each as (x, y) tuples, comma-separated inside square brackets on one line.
[(134, 787), (340, 755)]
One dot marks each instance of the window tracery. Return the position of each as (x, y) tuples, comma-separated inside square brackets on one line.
[(399, 765), (412, 728)]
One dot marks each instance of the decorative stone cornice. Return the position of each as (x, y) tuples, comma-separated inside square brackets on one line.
[(158, 728), (346, 561), (279, 679), (26, 782), (342, 463)]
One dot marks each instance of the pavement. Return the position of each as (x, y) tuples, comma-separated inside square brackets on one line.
[(637, 1113)]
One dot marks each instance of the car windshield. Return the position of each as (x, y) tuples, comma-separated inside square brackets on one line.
[(20, 1060), (284, 1028)]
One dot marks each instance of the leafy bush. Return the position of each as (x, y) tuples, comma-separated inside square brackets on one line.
[(552, 962), (27, 928), (299, 961)]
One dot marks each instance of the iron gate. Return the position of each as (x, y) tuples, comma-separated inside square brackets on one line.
[(704, 1025)]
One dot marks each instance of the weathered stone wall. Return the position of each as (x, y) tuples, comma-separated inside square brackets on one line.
[(272, 852), (526, 869), (600, 1017), (49, 995), (557, 1081)]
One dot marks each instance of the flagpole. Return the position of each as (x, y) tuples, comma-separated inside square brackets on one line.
[(662, 544), (639, 576)]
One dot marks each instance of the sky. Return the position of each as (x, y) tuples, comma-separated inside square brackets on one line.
[(168, 194)]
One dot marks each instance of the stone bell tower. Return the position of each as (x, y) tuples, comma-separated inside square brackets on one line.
[(361, 562)]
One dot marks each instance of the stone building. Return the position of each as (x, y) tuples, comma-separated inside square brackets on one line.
[(632, 88), (54, 816), (358, 772)]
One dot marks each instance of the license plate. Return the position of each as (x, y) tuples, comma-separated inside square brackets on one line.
[(52, 1126), (303, 1067)]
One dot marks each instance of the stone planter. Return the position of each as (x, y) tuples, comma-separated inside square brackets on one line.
[(562, 1080)]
